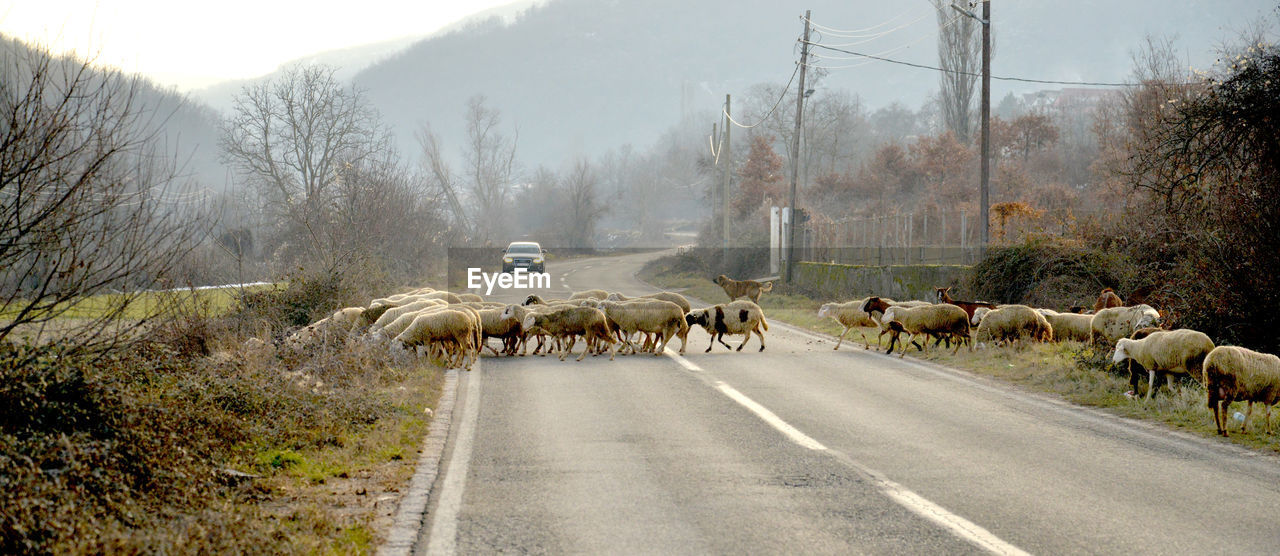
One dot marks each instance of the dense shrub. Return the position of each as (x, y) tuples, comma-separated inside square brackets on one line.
[(305, 299), (1047, 273)]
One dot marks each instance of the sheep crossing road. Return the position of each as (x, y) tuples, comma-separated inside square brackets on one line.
[(802, 449)]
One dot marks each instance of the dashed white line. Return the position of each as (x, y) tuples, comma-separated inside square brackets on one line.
[(913, 502)]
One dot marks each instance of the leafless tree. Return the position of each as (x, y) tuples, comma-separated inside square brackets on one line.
[(290, 137), (490, 162), (960, 56), (90, 200), (581, 208)]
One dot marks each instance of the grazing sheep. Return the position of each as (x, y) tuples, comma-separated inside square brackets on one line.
[(1111, 324), (392, 329), (944, 296), (1106, 300), (470, 298), (599, 295), (849, 315), (1236, 374), (570, 321), (652, 316), (736, 317), (449, 328), (749, 289), (665, 296), (976, 318), (942, 321), (393, 313), (349, 319), (1068, 326), (1163, 353), (1013, 323)]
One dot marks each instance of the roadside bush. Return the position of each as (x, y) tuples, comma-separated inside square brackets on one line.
[(306, 299), (1048, 273)]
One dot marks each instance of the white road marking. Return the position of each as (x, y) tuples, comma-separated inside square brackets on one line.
[(913, 502), (444, 524)]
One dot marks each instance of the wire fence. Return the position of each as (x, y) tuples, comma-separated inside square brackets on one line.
[(930, 236)]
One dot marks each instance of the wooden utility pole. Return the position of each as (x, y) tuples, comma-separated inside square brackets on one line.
[(727, 153), (795, 151), (986, 122)]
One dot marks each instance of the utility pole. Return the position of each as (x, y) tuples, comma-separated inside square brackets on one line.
[(795, 150), (984, 186), (986, 122), (727, 153)]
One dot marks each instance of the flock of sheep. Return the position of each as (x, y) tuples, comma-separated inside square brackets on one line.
[(1228, 373), (456, 328)]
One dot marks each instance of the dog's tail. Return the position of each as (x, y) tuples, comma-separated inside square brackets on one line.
[(768, 286)]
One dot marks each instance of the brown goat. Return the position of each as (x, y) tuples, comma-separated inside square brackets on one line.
[(1107, 299), (944, 296)]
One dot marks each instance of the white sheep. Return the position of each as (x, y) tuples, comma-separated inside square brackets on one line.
[(736, 317), (470, 297), (1068, 326), (1013, 323), (393, 313), (450, 329), (571, 321), (494, 325), (942, 321), (392, 329), (1114, 323), (849, 315), (1236, 374), (652, 316), (876, 306), (599, 295), (1164, 353), (665, 296)]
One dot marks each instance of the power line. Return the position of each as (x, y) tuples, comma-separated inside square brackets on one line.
[(972, 74), (878, 36), (853, 32), (771, 110), (884, 52)]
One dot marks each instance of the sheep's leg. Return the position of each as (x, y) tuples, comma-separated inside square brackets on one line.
[(664, 336), (1248, 412), (841, 338), (761, 335), (720, 338), (1151, 383), (711, 344), (745, 338)]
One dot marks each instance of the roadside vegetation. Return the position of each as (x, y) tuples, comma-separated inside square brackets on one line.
[(1071, 371), (141, 415)]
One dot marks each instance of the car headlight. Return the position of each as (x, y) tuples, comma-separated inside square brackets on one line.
[(507, 259), (537, 260)]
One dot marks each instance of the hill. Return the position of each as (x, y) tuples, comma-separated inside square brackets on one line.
[(578, 77)]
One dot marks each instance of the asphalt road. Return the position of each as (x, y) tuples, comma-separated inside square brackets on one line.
[(800, 449)]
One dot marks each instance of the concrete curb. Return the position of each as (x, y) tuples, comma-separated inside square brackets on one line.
[(413, 505)]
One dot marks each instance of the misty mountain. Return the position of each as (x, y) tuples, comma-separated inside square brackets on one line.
[(351, 60), (578, 77), (185, 127)]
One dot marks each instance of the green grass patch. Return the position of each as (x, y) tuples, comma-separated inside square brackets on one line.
[(1072, 371), (140, 305)]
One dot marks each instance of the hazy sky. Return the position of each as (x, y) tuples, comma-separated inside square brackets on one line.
[(192, 44)]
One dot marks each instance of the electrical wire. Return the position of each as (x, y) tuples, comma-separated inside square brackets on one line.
[(878, 36), (972, 74), (838, 32), (771, 110), (886, 52)]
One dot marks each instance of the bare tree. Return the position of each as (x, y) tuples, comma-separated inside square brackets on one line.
[(290, 137), (490, 160), (960, 57), (582, 209), (90, 202)]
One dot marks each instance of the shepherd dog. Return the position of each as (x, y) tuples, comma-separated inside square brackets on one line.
[(749, 289)]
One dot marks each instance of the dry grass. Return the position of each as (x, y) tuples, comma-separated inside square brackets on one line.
[(1072, 371), (130, 451)]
